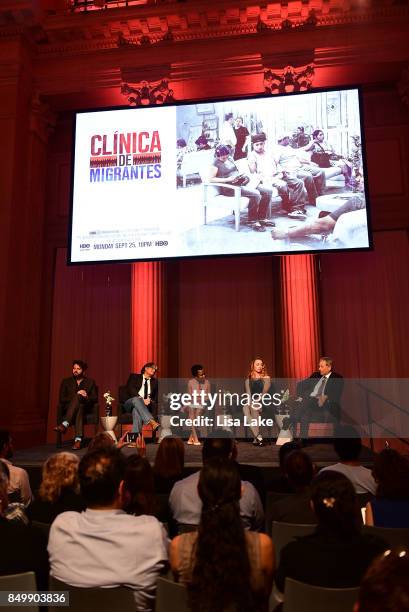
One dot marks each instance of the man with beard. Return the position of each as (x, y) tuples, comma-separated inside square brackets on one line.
[(77, 394)]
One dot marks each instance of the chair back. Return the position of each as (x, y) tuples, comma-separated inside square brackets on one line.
[(299, 596), (283, 533), (170, 596), (20, 582), (394, 537), (94, 599)]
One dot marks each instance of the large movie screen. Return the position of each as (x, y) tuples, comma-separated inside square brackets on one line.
[(278, 174)]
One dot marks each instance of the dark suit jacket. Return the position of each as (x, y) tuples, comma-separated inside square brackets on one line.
[(69, 388), (333, 390), (135, 383)]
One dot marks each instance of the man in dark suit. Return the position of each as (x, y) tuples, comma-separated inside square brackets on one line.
[(143, 397), (77, 394), (319, 397)]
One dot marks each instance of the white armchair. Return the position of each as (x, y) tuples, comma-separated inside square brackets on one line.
[(212, 197)]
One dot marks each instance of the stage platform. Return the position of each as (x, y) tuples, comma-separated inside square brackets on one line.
[(265, 458)]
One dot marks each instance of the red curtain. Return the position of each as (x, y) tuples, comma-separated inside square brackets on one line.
[(91, 321), (148, 332)]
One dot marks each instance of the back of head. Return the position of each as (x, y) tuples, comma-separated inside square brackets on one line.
[(170, 458), (101, 440), (100, 474), (335, 504), (221, 573), (139, 488), (299, 469), (217, 448), (4, 441), (285, 450), (60, 472), (385, 586), (347, 443), (391, 472)]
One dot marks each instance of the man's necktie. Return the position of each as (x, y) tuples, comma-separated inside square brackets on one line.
[(321, 386), (145, 388)]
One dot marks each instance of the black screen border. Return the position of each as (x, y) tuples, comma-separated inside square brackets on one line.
[(211, 100)]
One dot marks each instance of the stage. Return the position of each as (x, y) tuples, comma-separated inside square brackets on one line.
[(265, 458)]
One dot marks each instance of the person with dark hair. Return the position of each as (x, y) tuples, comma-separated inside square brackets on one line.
[(12, 511), (338, 553), (291, 189), (348, 446), (224, 170), (59, 489), (296, 508), (227, 135), (169, 463), (104, 546), (139, 487), (19, 489), (223, 566), (323, 154), (385, 586), (390, 508), (299, 139), (77, 394), (293, 166), (198, 388), (23, 547), (242, 139), (184, 500), (143, 397)]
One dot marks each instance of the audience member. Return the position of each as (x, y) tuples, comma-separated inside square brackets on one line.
[(104, 546), (390, 508), (12, 511), (23, 548), (169, 464), (139, 488), (59, 489), (348, 446), (279, 483), (19, 489), (224, 567), (296, 508), (337, 554), (184, 499), (101, 440), (385, 586)]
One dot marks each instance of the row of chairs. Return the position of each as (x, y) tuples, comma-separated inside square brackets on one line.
[(172, 597)]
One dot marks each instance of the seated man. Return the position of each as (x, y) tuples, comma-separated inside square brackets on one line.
[(184, 499), (291, 189), (294, 166), (323, 225), (77, 394), (143, 397), (320, 396), (104, 546), (19, 489)]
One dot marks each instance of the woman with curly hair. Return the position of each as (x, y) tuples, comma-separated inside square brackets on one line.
[(390, 508), (338, 553), (256, 384), (59, 489), (223, 566)]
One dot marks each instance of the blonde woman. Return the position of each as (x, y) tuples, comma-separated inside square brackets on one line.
[(256, 384), (59, 489)]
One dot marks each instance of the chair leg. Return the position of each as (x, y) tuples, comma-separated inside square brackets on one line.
[(237, 212)]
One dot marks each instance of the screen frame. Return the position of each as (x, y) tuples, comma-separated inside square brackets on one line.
[(213, 100)]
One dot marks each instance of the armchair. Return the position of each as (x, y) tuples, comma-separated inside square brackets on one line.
[(91, 417)]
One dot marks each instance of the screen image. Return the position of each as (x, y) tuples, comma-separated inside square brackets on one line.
[(277, 174)]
